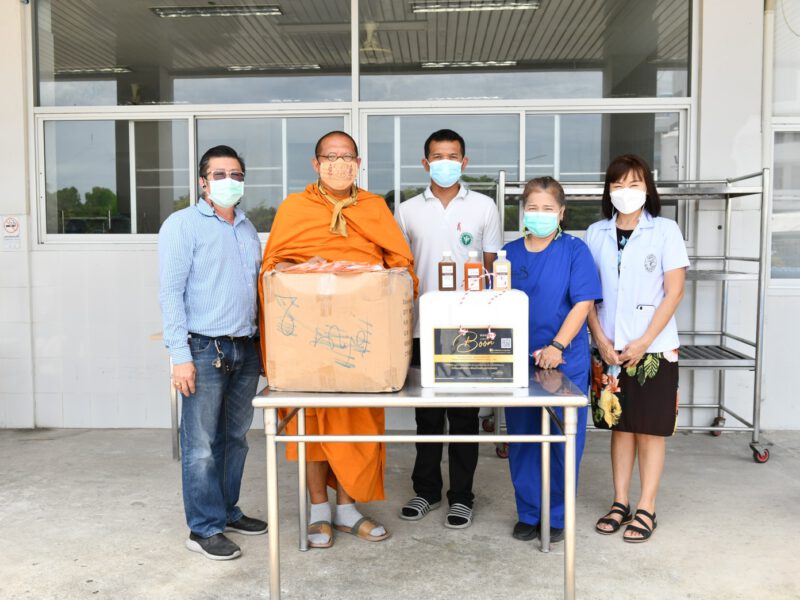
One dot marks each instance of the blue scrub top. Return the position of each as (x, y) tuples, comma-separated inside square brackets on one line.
[(555, 280)]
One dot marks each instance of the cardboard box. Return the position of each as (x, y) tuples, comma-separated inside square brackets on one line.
[(474, 339), (338, 332)]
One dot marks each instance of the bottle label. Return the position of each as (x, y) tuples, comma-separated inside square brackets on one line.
[(448, 269), (447, 282), (500, 281), (474, 284)]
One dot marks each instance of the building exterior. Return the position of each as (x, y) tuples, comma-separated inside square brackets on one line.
[(108, 105)]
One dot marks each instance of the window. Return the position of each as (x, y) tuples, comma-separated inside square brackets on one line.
[(277, 153), (786, 206), (107, 52), (396, 149), (786, 96), (578, 147), (589, 49), (94, 184)]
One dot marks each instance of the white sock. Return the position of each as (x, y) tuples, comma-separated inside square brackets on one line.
[(348, 515), (319, 512)]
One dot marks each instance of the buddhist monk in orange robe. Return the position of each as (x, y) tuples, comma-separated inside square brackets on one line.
[(334, 220)]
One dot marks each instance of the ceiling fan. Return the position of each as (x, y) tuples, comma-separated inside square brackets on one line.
[(371, 51)]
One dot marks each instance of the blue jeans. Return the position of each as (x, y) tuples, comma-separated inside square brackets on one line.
[(214, 424)]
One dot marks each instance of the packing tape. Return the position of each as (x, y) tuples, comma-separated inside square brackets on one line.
[(327, 378), (272, 375), (326, 290)]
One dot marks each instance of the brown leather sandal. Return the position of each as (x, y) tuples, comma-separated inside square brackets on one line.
[(321, 528), (362, 529)]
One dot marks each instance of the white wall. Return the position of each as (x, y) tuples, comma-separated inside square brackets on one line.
[(95, 314), (729, 138), (16, 368), (76, 350)]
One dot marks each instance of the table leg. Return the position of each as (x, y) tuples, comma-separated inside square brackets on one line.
[(302, 482), (270, 429), (544, 519), (570, 430)]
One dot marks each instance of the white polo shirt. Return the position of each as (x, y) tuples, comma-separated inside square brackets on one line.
[(631, 296), (470, 222)]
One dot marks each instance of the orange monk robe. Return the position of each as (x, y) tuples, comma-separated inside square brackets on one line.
[(301, 231)]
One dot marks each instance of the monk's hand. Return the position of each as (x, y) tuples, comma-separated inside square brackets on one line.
[(183, 376), (282, 266), (549, 357), (633, 353), (315, 260)]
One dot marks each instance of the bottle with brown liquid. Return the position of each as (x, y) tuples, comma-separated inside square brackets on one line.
[(447, 272), (473, 271)]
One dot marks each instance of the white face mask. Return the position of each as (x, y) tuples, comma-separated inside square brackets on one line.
[(628, 200), (226, 192)]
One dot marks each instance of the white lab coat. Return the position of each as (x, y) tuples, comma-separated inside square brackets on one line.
[(631, 296)]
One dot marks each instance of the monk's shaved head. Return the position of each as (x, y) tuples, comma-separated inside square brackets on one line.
[(331, 134)]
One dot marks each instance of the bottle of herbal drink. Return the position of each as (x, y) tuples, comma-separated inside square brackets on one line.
[(473, 269), (501, 271), (447, 272)]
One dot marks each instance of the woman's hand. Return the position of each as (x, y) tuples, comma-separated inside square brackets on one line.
[(548, 357), (607, 352), (550, 380), (633, 352)]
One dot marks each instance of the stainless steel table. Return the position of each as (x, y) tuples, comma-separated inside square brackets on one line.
[(547, 390)]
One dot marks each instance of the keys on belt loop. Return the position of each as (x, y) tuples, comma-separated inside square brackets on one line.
[(220, 362)]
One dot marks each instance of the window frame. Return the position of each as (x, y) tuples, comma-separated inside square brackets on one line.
[(354, 112), (780, 125)]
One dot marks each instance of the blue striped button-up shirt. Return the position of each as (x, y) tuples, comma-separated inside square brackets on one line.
[(208, 270)]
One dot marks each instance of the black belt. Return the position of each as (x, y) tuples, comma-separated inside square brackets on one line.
[(230, 338)]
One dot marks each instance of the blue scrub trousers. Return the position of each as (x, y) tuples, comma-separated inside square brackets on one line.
[(525, 462)]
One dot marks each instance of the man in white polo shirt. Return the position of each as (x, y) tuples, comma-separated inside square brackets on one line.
[(446, 216)]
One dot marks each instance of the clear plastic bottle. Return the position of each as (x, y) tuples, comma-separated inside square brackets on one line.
[(501, 271), (447, 272), (473, 271)]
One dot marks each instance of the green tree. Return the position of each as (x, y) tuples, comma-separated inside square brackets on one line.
[(68, 199), (262, 217), (100, 202), (180, 203)]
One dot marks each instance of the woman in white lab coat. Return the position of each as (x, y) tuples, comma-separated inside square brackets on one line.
[(642, 262)]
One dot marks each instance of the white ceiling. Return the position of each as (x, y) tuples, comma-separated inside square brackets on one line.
[(571, 34)]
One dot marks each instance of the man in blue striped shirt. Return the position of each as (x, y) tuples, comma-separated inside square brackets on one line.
[(209, 257)]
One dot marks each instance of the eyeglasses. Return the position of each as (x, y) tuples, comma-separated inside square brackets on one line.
[(219, 174), (333, 157)]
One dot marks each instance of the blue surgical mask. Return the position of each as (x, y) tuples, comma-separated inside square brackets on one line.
[(540, 224), (445, 172), (226, 192)]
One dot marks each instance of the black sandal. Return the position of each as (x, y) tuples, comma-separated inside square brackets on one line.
[(645, 531), (616, 509)]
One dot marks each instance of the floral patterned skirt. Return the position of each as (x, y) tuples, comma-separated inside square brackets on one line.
[(641, 399)]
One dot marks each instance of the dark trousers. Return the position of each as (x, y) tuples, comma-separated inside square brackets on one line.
[(427, 475)]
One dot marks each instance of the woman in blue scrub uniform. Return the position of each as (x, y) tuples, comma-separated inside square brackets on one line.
[(558, 274)]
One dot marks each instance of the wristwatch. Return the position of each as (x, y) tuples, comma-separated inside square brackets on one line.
[(557, 345)]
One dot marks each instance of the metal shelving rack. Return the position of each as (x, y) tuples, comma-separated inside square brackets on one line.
[(727, 351)]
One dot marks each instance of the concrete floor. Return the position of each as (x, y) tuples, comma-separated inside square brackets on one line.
[(98, 514)]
